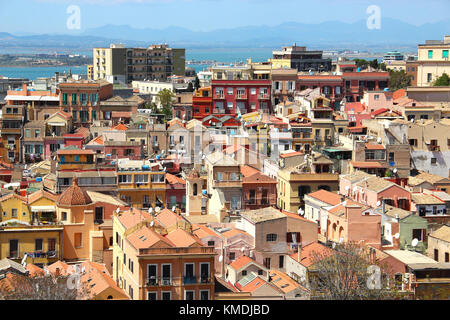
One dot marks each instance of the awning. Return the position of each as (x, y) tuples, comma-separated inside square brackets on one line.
[(43, 209), (57, 124)]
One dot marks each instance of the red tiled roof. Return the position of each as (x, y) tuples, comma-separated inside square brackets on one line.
[(172, 179), (362, 164), (296, 216), (74, 151), (357, 107), (326, 196), (258, 178), (356, 128), (310, 252), (120, 127), (291, 154), (248, 171), (74, 196), (238, 264), (253, 285), (399, 94), (370, 146)]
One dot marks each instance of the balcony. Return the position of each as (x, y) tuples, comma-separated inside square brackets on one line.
[(241, 97), (152, 282), (177, 251), (281, 135), (190, 280), (264, 97), (260, 201), (227, 184), (219, 111), (166, 281), (219, 96)]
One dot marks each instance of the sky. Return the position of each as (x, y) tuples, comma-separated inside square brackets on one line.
[(50, 16)]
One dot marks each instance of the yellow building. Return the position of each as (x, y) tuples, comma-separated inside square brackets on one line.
[(280, 63), (433, 61), (313, 174), (141, 184), (42, 245)]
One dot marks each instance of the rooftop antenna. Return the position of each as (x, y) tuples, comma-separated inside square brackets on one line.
[(152, 223)]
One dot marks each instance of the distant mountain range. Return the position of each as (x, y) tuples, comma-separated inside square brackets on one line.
[(332, 34)]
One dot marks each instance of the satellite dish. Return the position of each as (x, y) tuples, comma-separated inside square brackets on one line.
[(395, 170), (152, 223), (341, 240), (174, 208), (150, 210), (157, 209), (397, 235), (301, 212), (414, 242), (378, 203), (242, 249), (379, 140), (203, 157), (334, 245), (347, 188), (220, 258), (117, 210)]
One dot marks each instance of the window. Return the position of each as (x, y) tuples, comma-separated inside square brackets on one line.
[(64, 216), (141, 178), (152, 274), (417, 234), (413, 142), (253, 91), (74, 98), (125, 178), (219, 176), (429, 77), (13, 248), (51, 244), (271, 237), (78, 240), (433, 160), (436, 255), (189, 295), (377, 97), (244, 272), (230, 105), (232, 256), (445, 54), (204, 294), (391, 156), (38, 245), (281, 262), (267, 263), (98, 213), (27, 133), (211, 243), (13, 213), (166, 295), (157, 178), (430, 54), (260, 272), (64, 98), (446, 257), (152, 295), (229, 91), (167, 274), (77, 158)]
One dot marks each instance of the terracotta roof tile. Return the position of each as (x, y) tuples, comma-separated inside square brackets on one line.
[(172, 179), (326, 196), (308, 253), (74, 196)]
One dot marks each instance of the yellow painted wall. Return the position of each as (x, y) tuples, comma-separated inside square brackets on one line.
[(23, 212)]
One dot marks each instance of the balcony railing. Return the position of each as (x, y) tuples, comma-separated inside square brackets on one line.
[(219, 96), (241, 96), (263, 96), (190, 280)]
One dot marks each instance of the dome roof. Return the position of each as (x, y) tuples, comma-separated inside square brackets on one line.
[(74, 196), (193, 174)]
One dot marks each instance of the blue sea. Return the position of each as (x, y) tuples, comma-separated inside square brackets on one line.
[(220, 55), (33, 73)]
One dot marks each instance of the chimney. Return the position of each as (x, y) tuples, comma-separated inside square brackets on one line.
[(299, 252), (75, 181), (57, 272)]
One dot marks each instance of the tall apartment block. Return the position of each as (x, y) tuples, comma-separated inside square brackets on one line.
[(119, 64), (299, 58), (433, 60)]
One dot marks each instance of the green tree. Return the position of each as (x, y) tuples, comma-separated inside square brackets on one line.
[(374, 64), (383, 66), (348, 273), (399, 80), (442, 81), (361, 63), (190, 87), (196, 83), (165, 97)]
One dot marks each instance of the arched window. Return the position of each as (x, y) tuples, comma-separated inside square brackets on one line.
[(195, 189)]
